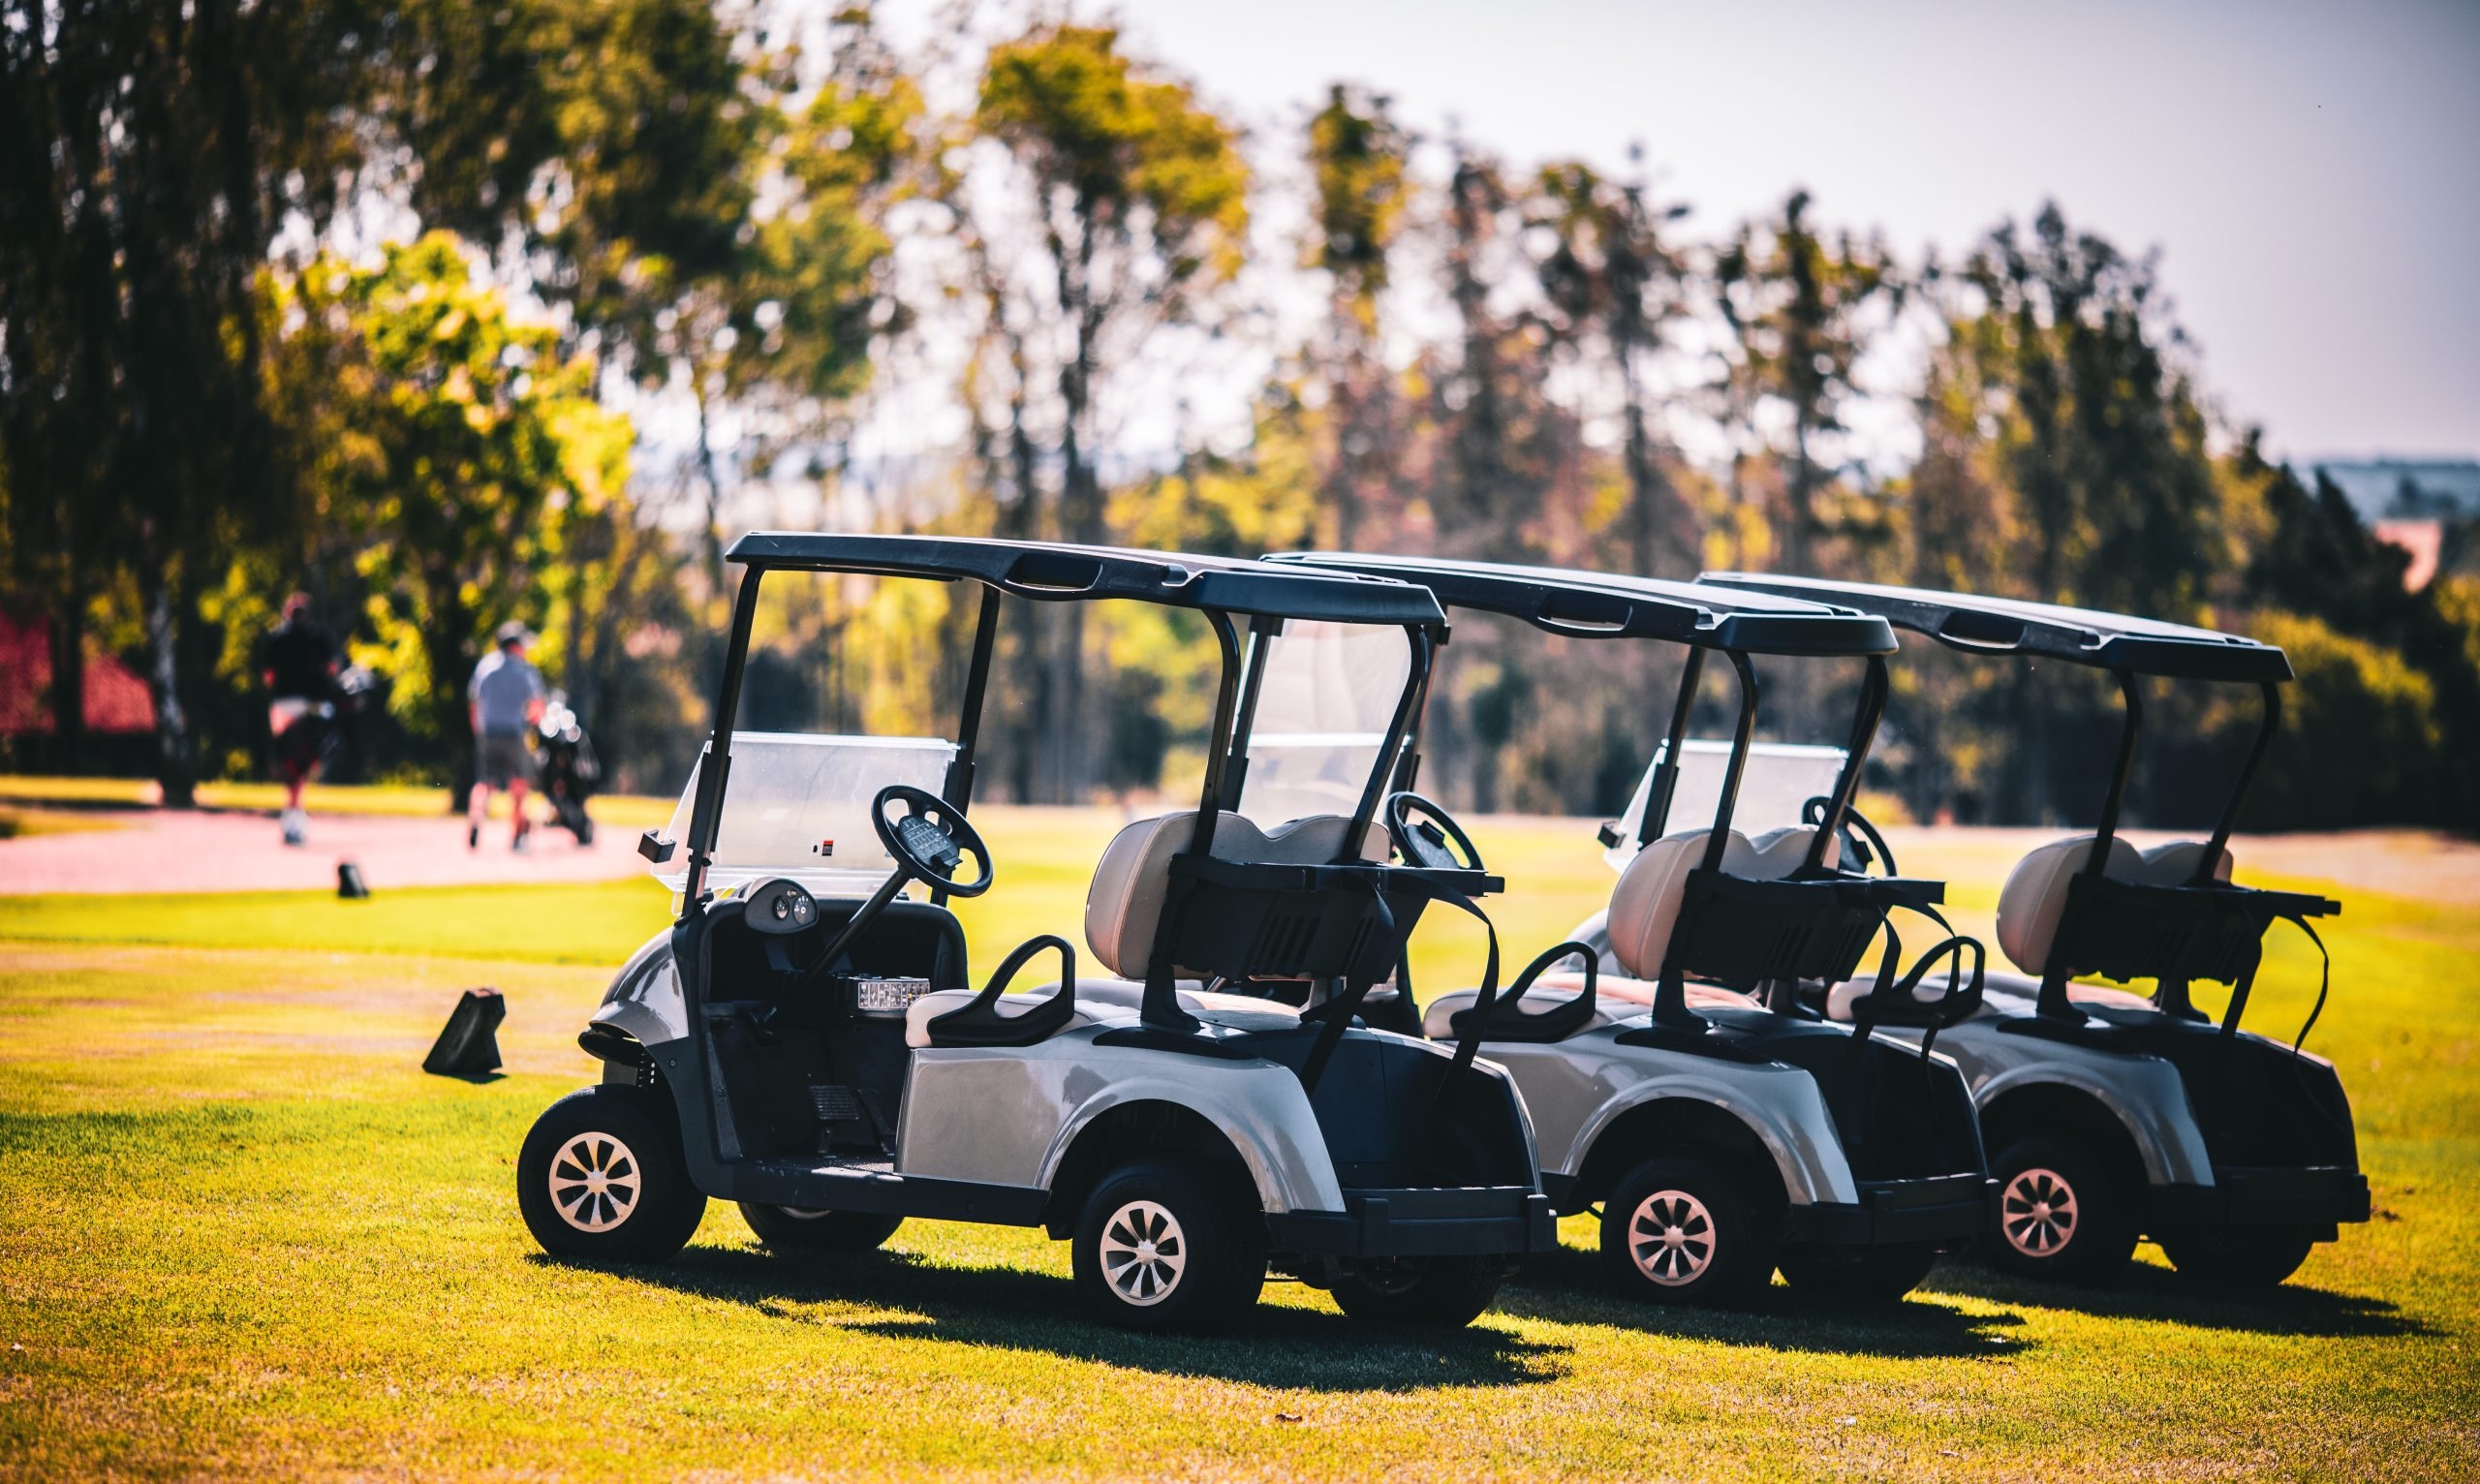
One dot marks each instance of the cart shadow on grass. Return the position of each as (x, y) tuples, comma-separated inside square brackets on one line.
[(1013, 1309), (1567, 1287), (2143, 1291)]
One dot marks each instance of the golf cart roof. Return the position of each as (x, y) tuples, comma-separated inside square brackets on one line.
[(2009, 626), (1055, 572), (1591, 604)]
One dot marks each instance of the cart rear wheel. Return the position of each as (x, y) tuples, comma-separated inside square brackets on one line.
[(1449, 1292), (1683, 1231), (600, 1177), (1160, 1248), (2237, 1259), (1861, 1275), (795, 1228), (2060, 1213)]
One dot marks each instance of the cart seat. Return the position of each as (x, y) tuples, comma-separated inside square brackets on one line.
[(2034, 900), (939, 1001), (1250, 1012), (1618, 989), (1125, 903), (1644, 907), (1438, 1022)]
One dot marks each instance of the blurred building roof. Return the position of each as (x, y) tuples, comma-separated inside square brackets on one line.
[(116, 699)]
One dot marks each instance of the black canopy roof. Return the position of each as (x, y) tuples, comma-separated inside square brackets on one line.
[(2008, 626), (1589, 605), (1054, 572)]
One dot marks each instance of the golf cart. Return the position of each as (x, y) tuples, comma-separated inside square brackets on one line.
[(802, 1041), (1677, 1082), (2111, 1116)]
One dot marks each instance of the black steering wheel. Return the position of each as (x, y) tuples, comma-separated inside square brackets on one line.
[(1423, 829), (1813, 813), (930, 839)]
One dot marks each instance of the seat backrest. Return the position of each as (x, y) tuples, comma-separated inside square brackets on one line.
[(1124, 904), (1644, 907), (2034, 901)]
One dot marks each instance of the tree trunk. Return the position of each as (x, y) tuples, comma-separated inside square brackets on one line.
[(175, 769), (69, 680)]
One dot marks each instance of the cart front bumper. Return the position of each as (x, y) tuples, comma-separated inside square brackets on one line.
[(2314, 1195), (1935, 1208), (1470, 1222)]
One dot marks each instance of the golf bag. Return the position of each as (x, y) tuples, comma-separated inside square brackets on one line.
[(567, 769)]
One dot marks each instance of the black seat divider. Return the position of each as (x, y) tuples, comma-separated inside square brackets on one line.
[(1507, 1021), (979, 1023)]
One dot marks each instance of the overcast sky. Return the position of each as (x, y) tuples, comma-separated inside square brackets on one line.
[(2309, 172)]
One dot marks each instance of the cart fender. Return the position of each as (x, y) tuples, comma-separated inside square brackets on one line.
[(1258, 1106), (1788, 1118), (644, 999), (2143, 1093)]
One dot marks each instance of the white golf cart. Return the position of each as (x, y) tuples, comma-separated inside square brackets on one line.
[(2110, 1115), (802, 1041), (1677, 1082)]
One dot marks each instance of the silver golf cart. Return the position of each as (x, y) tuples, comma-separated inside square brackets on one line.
[(802, 1041), (1676, 1081), (2110, 1116)]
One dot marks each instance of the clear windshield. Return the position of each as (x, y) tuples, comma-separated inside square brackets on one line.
[(1780, 778), (1328, 693), (798, 804)]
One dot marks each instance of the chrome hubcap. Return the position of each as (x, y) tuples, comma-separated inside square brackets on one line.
[(1670, 1236), (2036, 1211), (1144, 1253), (594, 1182)]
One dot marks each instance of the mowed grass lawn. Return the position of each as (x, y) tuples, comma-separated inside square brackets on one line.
[(241, 1235)]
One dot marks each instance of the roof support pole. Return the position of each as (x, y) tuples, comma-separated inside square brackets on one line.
[(2210, 861), (705, 816), (1666, 777), (1741, 738)]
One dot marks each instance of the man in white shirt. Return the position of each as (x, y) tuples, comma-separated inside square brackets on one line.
[(506, 701)]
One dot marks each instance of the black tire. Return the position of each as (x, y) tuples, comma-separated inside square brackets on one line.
[(1158, 1248), (1858, 1275), (2237, 1259), (2062, 1212), (642, 1209), (793, 1229), (1680, 1229), (1442, 1292)]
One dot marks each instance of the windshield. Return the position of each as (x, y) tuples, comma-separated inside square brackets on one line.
[(1781, 777), (1328, 693), (798, 804)]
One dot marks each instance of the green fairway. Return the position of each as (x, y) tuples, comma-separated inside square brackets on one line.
[(242, 1235)]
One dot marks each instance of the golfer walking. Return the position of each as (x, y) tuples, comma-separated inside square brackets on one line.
[(506, 700), (298, 663)]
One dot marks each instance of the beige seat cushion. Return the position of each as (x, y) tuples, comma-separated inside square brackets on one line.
[(939, 1001), (1125, 903), (1248, 1011), (1619, 989), (1644, 908), (2034, 899)]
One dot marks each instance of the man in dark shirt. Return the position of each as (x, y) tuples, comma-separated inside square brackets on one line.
[(297, 663)]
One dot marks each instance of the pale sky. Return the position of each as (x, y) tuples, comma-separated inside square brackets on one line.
[(2310, 172)]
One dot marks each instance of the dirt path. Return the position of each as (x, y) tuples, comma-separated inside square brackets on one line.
[(165, 850)]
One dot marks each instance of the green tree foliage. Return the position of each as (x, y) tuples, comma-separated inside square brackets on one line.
[(1356, 154), (463, 448), (1800, 306), (1141, 199)]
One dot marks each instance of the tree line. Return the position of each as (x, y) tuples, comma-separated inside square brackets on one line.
[(363, 299)]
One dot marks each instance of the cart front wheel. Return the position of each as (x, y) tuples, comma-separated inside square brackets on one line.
[(600, 1177), (1158, 1249), (2237, 1259), (1448, 1292), (1859, 1275), (795, 1229)]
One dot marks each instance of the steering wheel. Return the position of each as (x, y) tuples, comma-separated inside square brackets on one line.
[(1423, 829), (1813, 813), (930, 839)]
